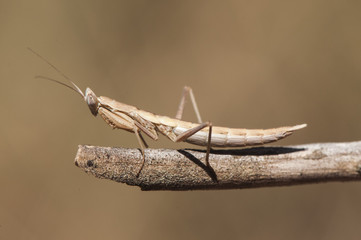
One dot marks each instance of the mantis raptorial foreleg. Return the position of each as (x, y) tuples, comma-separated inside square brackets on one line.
[(188, 90)]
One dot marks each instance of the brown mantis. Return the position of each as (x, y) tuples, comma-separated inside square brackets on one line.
[(129, 118)]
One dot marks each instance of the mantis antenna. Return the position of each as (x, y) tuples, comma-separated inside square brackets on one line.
[(76, 89)]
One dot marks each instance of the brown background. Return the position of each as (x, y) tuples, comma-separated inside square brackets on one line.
[(254, 64)]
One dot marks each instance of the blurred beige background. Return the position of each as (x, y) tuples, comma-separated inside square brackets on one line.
[(254, 64)]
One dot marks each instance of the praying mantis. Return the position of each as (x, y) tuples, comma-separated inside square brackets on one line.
[(123, 116)]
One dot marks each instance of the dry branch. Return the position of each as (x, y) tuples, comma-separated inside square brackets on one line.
[(184, 169)]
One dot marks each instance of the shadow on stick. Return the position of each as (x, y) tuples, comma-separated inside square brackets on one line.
[(208, 169)]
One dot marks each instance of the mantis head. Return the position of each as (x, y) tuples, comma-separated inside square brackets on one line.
[(92, 100)]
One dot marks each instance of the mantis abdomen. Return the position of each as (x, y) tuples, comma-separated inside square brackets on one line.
[(238, 137)]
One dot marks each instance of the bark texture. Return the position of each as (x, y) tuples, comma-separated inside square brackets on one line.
[(184, 169)]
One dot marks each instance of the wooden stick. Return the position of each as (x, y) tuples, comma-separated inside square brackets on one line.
[(185, 169)]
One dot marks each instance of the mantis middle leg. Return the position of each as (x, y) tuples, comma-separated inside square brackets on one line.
[(143, 146), (187, 90)]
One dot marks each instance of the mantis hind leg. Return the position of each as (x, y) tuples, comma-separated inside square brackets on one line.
[(183, 136), (187, 90)]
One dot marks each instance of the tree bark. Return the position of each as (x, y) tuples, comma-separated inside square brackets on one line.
[(184, 169)]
